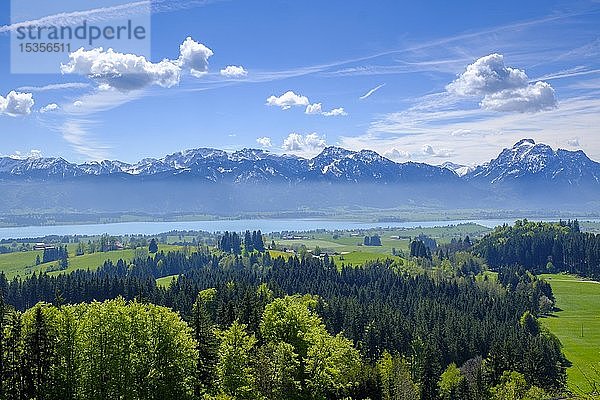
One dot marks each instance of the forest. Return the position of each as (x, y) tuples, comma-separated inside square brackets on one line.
[(543, 247), (238, 323)]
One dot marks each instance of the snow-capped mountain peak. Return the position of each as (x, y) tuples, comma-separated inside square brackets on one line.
[(530, 162)]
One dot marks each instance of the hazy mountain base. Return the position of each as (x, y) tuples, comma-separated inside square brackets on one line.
[(104, 200)]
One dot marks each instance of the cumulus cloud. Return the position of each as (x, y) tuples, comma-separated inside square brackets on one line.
[(127, 72), (232, 71), (487, 75), (193, 56), (317, 109), (288, 100), (335, 112), (264, 141), (503, 88), (395, 154), (16, 103), (310, 143), (49, 108), (531, 98), (428, 150), (314, 109), (31, 154)]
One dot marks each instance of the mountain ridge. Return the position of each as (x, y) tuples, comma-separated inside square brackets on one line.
[(526, 161)]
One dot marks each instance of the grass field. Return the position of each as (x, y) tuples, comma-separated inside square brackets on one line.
[(346, 241), (357, 258), (165, 281), (13, 264), (23, 263), (578, 327)]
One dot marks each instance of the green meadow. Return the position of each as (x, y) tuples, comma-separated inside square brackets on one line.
[(577, 325), (22, 264), (165, 281)]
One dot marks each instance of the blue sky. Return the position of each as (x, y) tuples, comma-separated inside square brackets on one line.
[(421, 81)]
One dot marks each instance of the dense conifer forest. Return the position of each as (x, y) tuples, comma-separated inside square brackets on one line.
[(285, 328), (543, 247)]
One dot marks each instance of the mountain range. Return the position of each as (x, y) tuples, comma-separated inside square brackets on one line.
[(215, 181), (526, 161)]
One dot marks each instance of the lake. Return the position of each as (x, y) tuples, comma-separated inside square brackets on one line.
[(265, 225)]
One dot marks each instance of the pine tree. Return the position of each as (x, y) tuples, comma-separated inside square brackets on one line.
[(153, 246), (38, 355), (204, 334), (248, 242), (14, 357)]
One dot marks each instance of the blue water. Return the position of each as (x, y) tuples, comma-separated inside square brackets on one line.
[(265, 225)]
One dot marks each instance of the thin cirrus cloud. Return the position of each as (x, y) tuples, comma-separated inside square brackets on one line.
[(55, 86), (108, 13), (502, 88), (371, 92), (16, 104), (127, 72)]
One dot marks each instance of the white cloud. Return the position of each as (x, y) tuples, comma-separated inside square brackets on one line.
[(55, 86), (317, 109), (49, 108), (430, 151), (121, 71), (306, 145), (531, 98), (396, 154), (264, 141), (290, 99), (314, 109), (427, 150), (487, 75), (313, 141), (294, 142), (287, 100), (31, 154), (371, 92), (16, 103), (232, 71), (503, 88), (573, 142), (75, 132), (194, 57), (335, 112), (476, 136), (126, 72), (77, 103)]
